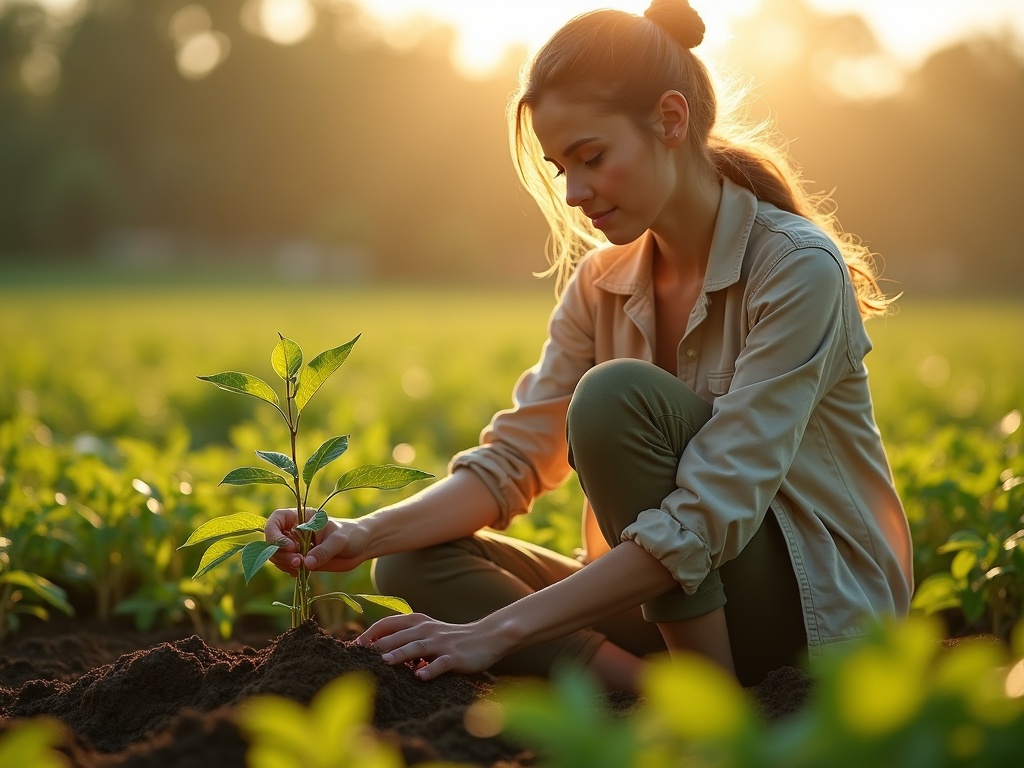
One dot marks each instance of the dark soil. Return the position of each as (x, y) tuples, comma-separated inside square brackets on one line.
[(173, 702)]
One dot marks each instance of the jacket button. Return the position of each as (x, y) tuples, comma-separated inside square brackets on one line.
[(691, 353)]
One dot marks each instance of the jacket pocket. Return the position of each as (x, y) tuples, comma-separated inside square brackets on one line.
[(719, 381)]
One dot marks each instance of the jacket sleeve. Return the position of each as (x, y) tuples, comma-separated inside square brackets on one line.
[(522, 452), (796, 348)]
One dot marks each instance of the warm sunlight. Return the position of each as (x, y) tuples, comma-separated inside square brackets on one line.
[(908, 29), (486, 30), (911, 29)]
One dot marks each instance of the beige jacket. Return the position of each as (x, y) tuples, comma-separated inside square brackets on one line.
[(776, 343)]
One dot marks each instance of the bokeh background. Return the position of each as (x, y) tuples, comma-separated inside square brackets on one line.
[(364, 140), (182, 180)]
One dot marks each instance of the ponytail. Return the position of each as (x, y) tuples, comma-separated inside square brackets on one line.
[(625, 62)]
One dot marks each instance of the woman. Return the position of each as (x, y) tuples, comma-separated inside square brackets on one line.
[(703, 375)]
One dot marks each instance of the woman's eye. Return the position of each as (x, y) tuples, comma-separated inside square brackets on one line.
[(594, 161)]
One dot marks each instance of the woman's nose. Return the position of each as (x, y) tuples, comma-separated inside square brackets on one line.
[(576, 193)]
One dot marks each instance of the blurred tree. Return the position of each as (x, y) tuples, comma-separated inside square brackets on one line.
[(182, 118)]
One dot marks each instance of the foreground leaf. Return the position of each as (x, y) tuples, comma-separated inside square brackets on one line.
[(216, 554), (33, 744), (386, 477), (323, 456), (256, 553), (251, 475), (286, 358), (226, 525), (396, 604), (319, 369), (315, 523), (281, 461), (244, 384)]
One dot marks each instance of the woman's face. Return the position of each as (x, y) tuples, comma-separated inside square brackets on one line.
[(620, 177)]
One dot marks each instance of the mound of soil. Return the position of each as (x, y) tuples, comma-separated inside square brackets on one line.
[(174, 703)]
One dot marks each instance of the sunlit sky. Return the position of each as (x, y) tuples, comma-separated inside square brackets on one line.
[(908, 29)]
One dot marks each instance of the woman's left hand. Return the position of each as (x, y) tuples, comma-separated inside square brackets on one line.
[(443, 647)]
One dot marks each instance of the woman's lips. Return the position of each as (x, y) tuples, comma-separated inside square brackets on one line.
[(601, 219)]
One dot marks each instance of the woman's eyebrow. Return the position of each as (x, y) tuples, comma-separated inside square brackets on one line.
[(574, 146)]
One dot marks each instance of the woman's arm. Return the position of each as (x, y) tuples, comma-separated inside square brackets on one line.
[(451, 508), (625, 577)]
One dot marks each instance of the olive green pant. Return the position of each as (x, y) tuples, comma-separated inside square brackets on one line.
[(627, 426)]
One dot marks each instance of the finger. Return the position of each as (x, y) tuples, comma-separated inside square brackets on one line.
[(323, 552), (436, 668), (289, 563), (413, 650), (280, 522), (387, 626)]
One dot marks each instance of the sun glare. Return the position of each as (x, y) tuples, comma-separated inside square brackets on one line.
[(907, 29), (486, 31), (911, 29)]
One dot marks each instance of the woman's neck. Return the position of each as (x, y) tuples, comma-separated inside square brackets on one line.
[(687, 226)]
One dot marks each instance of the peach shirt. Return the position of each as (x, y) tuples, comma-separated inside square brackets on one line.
[(776, 343)]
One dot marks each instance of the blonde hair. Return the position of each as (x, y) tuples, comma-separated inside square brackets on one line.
[(624, 63)]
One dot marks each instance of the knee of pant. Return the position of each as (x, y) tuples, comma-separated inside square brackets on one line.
[(399, 574), (600, 393)]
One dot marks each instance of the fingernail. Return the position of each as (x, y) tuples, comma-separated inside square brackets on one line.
[(388, 657)]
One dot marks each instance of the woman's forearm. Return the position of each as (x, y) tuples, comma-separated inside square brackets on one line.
[(453, 507), (623, 578)]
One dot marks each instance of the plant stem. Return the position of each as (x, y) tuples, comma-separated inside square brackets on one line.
[(300, 605)]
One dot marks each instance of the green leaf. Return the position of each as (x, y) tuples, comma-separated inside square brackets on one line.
[(255, 554), (343, 596), (31, 610), (226, 525), (286, 358), (33, 743), (251, 475), (216, 554), (281, 461), (315, 523), (283, 605), (936, 593), (244, 384), (396, 604), (323, 456), (960, 541), (41, 587), (319, 368), (386, 478)]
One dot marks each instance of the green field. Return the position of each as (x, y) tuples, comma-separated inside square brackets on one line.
[(111, 452), (98, 389)]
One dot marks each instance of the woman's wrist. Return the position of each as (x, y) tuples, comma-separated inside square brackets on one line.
[(377, 533), (503, 631)]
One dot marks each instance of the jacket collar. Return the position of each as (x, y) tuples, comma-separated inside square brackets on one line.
[(629, 271)]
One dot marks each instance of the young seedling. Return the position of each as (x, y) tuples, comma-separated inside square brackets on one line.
[(221, 534)]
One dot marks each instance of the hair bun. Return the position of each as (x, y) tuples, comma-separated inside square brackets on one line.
[(678, 19)]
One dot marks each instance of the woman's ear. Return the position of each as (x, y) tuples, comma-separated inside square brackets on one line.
[(672, 118)]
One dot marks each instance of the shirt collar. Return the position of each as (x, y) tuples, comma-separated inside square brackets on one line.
[(629, 271)]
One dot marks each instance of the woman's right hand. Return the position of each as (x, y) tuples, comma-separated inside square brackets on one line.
[(341, 545)]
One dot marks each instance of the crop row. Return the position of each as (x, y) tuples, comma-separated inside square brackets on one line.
[(111, 450)]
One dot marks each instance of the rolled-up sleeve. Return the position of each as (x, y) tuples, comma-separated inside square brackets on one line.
[(522, 452), (729, 473)]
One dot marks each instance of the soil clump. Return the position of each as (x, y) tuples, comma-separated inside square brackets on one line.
[(174, 702)]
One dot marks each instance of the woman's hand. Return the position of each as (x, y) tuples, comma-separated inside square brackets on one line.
[(442, 647), (341, 545)]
